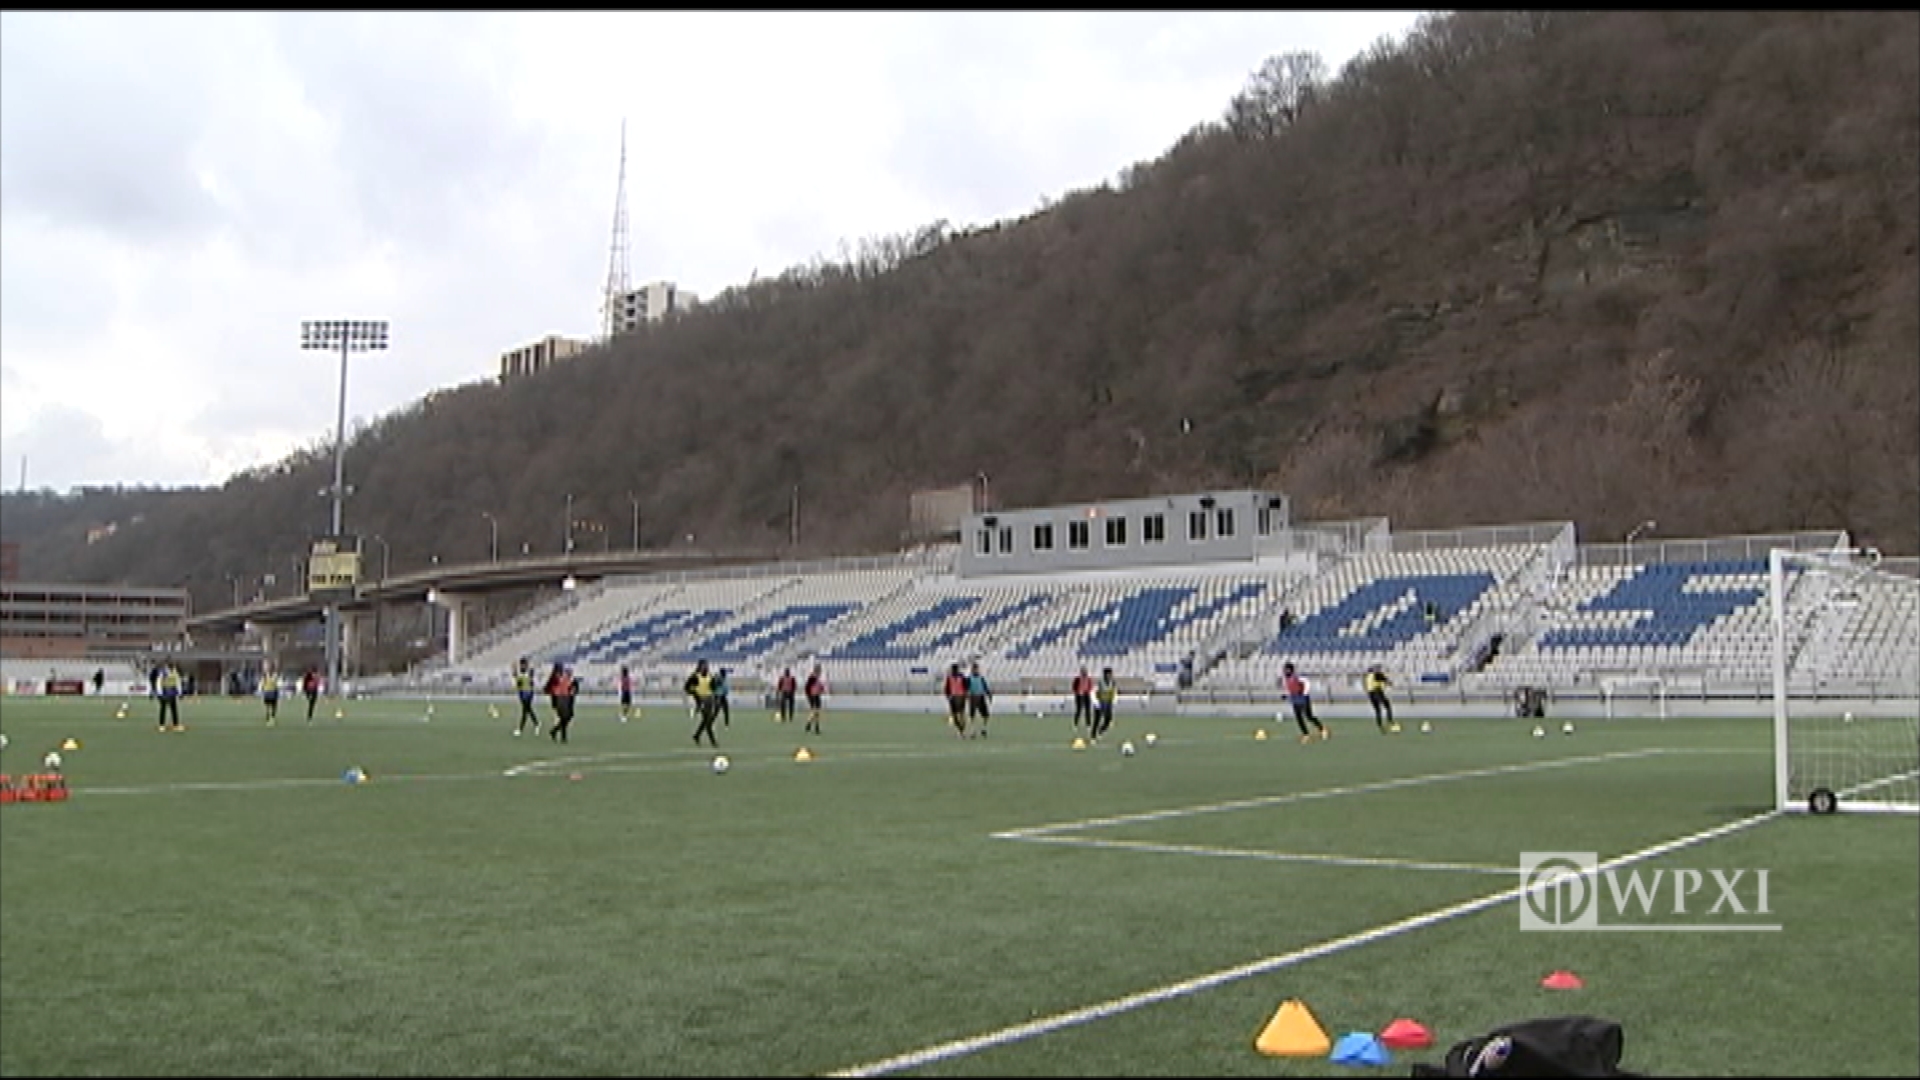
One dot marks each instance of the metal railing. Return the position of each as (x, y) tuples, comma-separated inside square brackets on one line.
[(1710, 549)]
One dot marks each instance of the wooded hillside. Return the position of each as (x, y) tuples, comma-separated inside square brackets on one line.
[(1601, 267)]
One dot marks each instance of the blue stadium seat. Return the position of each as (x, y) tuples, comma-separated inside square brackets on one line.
[(885, 642), (1669, 613), (761, 635), (1331, 629)]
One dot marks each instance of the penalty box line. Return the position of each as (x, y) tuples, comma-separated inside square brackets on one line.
[(947, 1051), (1371, 861), (1037, 831)]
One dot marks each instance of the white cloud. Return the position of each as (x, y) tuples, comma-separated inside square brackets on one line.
[(179, 191)]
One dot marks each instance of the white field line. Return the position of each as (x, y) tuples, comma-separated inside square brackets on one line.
[(1382, 861), (1322, 793), (1074, 1017), (824, 755), (631, 761)]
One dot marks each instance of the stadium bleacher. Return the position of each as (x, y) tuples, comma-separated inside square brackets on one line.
[(1481, 617)]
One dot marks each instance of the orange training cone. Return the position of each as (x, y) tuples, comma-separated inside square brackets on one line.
[(1562, 980), (1404, 1034), (1293, 1032)]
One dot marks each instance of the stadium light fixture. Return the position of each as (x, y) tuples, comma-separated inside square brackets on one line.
[(1644, 526), (345, 336), (386, 555)]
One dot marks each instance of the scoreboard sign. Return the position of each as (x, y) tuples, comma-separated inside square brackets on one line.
[(333, 568)]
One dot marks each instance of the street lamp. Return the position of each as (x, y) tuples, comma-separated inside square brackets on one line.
[(493, 540), (986, 492), (346, 336), (635, 500), (386, 555), (569, 546)]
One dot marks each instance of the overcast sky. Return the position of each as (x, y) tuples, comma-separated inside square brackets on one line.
[(179, 191)]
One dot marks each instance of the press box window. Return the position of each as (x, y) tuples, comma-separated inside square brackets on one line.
[(1117, 532), (1197, 525), (1153, 529), (1043, 538), (1077, 534), (1223, 522)]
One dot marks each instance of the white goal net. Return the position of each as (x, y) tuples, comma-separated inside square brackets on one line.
[(1846, 681)]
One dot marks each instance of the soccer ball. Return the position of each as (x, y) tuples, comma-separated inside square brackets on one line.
[(1126, 749), (721, 764), (1151, 738), (52, 760), (1847, 719), (1566, 728)]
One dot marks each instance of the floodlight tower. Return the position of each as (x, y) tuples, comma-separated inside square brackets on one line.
[(346, 336), (619, 281)]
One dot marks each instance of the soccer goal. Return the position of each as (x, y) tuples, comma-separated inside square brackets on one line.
[(1846, 682)]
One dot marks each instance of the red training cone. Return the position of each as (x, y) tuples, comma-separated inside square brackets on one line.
[(1404, 1034), (1562, 980)]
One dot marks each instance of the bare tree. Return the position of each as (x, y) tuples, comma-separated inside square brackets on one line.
[(1276, 95)]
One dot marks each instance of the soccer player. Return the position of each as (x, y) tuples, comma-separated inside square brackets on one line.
[(170, 682), (1104, 697), (626, 694), (722, 688), (523, 686), (1083, 699), (562, 691), (1300, 694), (783, 695), (310, 686), (816, 689), (270, 693), (1376, 682), (979, 697), (955, 688), (699, 688)]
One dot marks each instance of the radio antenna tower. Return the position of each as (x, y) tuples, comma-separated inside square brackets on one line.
[(618, 283)]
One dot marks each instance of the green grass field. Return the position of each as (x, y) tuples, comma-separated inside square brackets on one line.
[(221, 902)]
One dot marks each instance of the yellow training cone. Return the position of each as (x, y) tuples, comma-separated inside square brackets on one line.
[(1259, 734), (70, 744), (1293, 1032), (803, 754), (1079, 743)]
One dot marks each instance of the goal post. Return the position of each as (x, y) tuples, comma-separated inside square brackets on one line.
[(1846, 682)]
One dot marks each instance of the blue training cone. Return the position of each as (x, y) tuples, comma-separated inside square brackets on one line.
[(1359, 1048)]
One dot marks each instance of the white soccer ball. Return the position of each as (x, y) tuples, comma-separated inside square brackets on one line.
[(1126, 749), (1847, 719), (721, 764), (1151, 738), (52, 760)]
